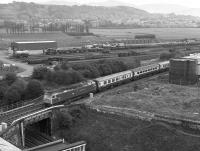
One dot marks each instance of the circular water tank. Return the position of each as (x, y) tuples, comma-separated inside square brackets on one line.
[(182, 71)]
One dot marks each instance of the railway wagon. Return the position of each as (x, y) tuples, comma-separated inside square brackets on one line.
[(70, 94), (113, 79), (37, 61)]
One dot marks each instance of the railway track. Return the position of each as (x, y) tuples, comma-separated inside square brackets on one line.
[(15, 114), (34, 138)]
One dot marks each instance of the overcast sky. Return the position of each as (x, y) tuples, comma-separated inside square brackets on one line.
[(187, 3)]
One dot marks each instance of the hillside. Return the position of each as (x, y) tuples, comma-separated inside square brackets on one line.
[(24, 11), (99, 16)]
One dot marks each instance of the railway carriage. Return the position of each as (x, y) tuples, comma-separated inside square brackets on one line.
[(164, 65), (145, 70), (113, 79), (70, 94)]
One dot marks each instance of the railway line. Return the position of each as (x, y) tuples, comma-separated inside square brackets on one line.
[(34, 138), (138, 114), (12, 115)]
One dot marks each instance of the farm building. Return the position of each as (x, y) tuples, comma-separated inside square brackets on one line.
[(183, 71), (32, 45)]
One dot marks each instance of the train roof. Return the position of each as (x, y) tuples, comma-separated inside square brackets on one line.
[(71, 87), (25, 42), (144, 67), (113, 75), (163, 62)]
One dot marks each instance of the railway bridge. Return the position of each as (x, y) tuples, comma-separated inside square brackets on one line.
[(30, 126)]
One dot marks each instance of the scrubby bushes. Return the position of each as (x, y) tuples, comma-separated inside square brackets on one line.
[(13, 90), (40, 73), (171, 54), (34, 89), (100, 68), (66, 74), (67, 118)]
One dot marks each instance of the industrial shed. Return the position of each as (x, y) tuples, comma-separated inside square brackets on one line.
[(33, 45)]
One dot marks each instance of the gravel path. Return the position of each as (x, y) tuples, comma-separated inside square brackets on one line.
[(28, 68)]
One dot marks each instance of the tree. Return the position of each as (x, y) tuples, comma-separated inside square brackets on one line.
[(60, 77), (65, 66), (63, 120), (34, 89), (49, 76), (76, 76), (11, 96), (39, 73), (105, 69), (165, 56), (10, 78), (20, 86)]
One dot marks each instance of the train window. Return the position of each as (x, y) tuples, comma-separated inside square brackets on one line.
[(117, 78), (113, 80), (109, 81), (137, 72), (105, 82)]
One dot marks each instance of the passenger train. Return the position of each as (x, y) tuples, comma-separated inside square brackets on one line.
[(83, 89)]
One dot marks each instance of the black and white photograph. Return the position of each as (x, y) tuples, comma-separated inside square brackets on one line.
[(99, 75)]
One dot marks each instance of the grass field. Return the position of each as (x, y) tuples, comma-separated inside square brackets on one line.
[(161, 33), (101, 35), (106, 132)]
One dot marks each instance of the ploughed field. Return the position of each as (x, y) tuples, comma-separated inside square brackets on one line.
[(154, 95)]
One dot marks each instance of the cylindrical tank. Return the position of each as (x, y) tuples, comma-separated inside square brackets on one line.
[(1, 128), (4, 125), (183, 71), (91, 95)]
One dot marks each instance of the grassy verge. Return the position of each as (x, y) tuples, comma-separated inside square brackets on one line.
[(108, 132)]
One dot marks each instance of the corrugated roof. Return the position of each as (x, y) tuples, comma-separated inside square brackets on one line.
[(24, 42)]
